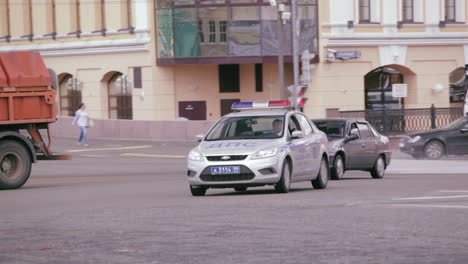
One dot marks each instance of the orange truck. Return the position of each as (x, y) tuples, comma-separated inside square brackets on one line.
[(27, 106)]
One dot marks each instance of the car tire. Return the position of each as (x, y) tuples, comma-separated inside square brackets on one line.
[(338, 169), (15, 165), (322, 178), (240, 189), (378, 171), (198, 191), (284, 184), (434, 150)]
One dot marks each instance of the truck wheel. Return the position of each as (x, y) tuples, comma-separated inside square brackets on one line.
[(338, 168), (15, 165), (285, 182), (322, 178)]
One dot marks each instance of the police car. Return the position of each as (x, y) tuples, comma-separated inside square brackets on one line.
[(268, 144)]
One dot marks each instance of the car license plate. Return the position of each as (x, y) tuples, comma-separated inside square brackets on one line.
[(225, 170), (402, 145)]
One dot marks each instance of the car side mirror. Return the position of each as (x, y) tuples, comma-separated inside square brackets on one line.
[(464, 130), (199, 137), (353, 135), (297, 134)]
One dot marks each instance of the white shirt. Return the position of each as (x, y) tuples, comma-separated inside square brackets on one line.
[(81, 118)]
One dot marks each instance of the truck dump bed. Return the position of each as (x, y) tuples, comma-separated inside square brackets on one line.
[(26, 94)]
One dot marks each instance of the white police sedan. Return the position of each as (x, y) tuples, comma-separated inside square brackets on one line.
[(257, 148)]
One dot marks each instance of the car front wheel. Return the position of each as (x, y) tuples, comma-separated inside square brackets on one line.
[(284, 184), (434, 150), (378, 171), (338, 168)]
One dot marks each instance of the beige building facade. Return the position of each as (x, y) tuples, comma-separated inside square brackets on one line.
[(160, 60), (421, 43), (102, 51)]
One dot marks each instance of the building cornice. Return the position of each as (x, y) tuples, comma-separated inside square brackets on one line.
[(74, 48), (401, 38)]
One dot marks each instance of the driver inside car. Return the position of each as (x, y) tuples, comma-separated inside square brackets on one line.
[(277, 126)]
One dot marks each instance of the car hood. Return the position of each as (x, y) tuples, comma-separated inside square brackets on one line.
[(236, 147)]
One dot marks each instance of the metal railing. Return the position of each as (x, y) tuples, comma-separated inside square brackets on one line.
[(401, 121)]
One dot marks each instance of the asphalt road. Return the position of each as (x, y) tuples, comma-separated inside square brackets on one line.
[(128, 202)]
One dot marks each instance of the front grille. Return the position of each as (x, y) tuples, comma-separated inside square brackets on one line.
[(231, 157), (245, 175), (227, 177)]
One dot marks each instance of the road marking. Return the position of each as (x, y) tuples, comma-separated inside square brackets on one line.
[(454, 191), (432, 206), (152, 155), (431, 197), (100, 149), (94, 156)]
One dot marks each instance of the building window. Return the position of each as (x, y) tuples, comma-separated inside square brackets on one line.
[(70, 94), (5, 20), (212, 35), (259, 77), (244, 37), (364, 11), (378, 89), (211, 42), (458, 85), (120, 97), (450, 11), (408, 11), (229, 78), (222, 31)]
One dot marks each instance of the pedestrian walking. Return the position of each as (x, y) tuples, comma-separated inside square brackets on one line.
[(82, 121)]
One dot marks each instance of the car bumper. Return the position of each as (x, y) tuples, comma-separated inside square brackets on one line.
[(261, 172), (411, 148)]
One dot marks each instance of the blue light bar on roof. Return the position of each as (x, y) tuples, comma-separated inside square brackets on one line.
[(260, 105)]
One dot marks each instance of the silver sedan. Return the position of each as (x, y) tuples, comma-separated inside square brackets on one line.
[(258, 148)]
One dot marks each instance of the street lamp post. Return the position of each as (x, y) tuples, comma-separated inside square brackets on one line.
[(280, 53), (282, 16), (295, 52)]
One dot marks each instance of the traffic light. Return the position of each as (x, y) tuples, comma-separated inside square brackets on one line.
[(300, 93)]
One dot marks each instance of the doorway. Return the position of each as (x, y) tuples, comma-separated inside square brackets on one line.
[(193, 110), (226, 105)]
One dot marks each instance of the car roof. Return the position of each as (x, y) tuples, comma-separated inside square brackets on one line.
[(350, 120), (273, 112)]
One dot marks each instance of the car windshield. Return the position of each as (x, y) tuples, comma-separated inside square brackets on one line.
[(333, 129), (247, 127), (457, 123)]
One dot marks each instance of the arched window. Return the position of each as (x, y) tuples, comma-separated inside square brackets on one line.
[(70, 94), (378, 85), (120, 97), (458, 85)]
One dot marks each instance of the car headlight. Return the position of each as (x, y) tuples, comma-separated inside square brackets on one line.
[(195, 155), (267, 153), (415, 139)]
